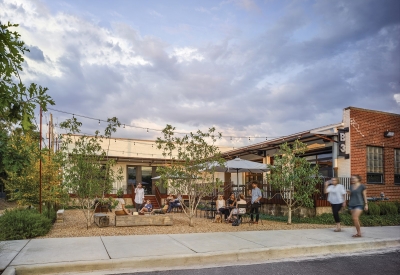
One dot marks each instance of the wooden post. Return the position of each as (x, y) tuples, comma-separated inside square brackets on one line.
[(40, 162)]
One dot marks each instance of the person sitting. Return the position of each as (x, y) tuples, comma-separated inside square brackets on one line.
[(237, 210), (146, 208), (160, 211), (174, 203), (221, 208), (120, 208)]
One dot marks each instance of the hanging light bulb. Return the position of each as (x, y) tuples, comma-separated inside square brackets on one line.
[(147, 130), (231, 138), (115, 140), (99, 121), (134, 143), (266, 138), (249, 138), (73, 116), (124, 125)]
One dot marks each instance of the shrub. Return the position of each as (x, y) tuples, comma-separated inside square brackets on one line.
[(398, 206), (388, 208), (374, 209), (18, 224), (366, 220), (50, 213)]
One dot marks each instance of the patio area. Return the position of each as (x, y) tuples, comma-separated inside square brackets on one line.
[(74, 226)]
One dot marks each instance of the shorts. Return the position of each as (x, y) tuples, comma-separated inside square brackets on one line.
[(359, 207)]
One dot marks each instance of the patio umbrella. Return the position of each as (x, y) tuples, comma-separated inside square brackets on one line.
[(239, 165)]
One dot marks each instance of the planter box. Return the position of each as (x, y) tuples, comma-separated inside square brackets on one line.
[(139, 220)]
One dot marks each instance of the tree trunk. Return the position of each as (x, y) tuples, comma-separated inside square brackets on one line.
[(289, 214), (191, 221)]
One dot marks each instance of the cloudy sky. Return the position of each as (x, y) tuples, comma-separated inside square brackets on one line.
[(250, 68)]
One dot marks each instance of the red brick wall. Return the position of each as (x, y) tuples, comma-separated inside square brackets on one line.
[(372, 124)]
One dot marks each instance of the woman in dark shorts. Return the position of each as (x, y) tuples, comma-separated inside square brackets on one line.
[(358, 201)]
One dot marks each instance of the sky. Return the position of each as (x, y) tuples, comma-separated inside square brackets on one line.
[(248, 68)]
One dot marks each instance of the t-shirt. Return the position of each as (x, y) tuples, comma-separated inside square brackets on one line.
[(220, 204), (255, 194), (149, 206), (356, 196), (336, 193), (139, 195), (230, 201), (119, 205)]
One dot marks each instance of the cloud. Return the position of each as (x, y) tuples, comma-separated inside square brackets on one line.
[(294, 72), (35, 53)]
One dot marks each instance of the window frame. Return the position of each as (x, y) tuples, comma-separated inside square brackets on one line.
[(396, 166), (374, 173)]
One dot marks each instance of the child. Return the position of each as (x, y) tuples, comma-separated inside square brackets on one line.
[(147, 207)]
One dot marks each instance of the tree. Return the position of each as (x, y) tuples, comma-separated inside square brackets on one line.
[(294, 177), (17, 101), (87, 171), (20, 158), (189, 172)]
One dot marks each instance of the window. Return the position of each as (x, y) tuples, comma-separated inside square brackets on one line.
[(146, 180), (131, 179), (374, 164), (397, 166)]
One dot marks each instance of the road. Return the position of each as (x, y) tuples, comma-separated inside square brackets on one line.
[(386, 263)]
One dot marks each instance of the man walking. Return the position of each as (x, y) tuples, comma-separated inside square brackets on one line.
[(139, 197), (255, 202)]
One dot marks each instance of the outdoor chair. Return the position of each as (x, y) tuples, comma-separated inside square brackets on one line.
[(244, 216)]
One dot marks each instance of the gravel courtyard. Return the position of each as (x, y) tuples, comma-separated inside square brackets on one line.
[(75, 226)]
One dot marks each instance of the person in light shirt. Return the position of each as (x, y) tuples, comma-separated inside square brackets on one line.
[(336, 196), (139, 197)]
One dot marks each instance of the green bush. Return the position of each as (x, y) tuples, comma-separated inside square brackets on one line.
[(50, 213), (397, 203), (374, 209), (18, 224), (366, 220), (388, 208)]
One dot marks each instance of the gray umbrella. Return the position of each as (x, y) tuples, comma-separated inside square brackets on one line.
[(239, 165)]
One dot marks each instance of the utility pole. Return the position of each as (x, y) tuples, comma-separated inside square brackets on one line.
[(40, 163), (51, 134)]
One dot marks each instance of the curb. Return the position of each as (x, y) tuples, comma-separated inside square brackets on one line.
[(245, 256)]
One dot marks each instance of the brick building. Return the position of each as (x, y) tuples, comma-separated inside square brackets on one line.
[(375, 149), (366, 143)]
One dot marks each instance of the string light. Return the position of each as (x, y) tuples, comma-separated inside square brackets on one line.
[(148, 129)]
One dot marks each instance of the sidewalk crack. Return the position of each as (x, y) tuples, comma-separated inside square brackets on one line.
[(101, 238)]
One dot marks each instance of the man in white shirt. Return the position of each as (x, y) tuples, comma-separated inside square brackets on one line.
[(139, 197)]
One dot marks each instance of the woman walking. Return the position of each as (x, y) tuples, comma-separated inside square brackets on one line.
[(336, 197), (358, 202)]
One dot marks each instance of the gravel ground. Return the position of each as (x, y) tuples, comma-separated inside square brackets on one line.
[(75, 226)]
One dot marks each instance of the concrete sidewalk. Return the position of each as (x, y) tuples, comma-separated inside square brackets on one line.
[(119, 253)]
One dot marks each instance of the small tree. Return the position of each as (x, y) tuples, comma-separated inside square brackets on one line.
[(20, 158), (190, 171), (87, 171), (294, 177)]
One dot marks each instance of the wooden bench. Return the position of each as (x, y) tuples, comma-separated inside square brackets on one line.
[(139, 220), (60, 215)]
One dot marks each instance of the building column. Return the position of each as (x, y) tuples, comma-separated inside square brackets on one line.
[(335, 157)]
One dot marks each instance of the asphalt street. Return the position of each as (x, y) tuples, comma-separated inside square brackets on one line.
[(370, 264)]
